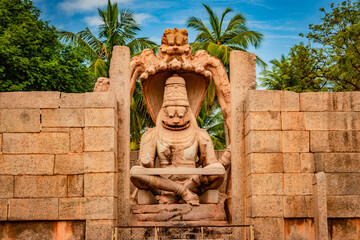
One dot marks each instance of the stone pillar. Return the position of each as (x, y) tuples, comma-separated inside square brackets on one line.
[(120, 85), (242, 79), (320, 206)]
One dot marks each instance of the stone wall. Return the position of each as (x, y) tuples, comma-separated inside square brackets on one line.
[(58, 164), (289, 137)]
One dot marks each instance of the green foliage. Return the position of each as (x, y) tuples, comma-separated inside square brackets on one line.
[(219, 40), (32, 57), (331, 59)]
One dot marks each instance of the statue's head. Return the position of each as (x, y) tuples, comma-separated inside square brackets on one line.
[(176, 108)]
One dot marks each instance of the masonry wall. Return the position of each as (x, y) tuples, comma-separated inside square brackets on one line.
[(289, 137), (58, 165)]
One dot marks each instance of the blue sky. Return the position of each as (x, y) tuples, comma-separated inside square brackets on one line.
[(280, 21)]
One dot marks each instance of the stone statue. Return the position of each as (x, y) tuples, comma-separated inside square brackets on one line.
[(178, 142)]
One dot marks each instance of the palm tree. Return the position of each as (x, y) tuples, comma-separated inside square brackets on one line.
[(220, 41), (117, 28), (276, 78)]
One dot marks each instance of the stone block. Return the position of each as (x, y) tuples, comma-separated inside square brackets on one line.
[(72, 100), (343, 206), (337, 162), (75, 185), (14, 100), (99, 229), (100, 117), (348, 229), (69, 164), (265, 184), (299, 229), (295, 141), (263, 141), (293, 121), (100, 100), (100, 139), (55, 129), (298, 184), (19, 120), (343, 184), (263, 101), (52, 143), (100, 185), (27, 164), (334, 141), (100, 207), (3, 209), (290, 101), (355, 101), (332, 120), (262, 121), (266, 206), (1, 142), (292, 163), (296, 207), (99, 162), (316, 102), (76, 140), (6, 186), (62, 117), (268, 228), (307, 162), (33, 209), (345, 101), (264, 163), (72, 208), (40, 186)]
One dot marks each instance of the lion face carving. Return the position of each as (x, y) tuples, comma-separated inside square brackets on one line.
[(174, 44)]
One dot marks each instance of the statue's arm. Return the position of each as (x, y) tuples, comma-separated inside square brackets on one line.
[(148, 149), (206, 149)]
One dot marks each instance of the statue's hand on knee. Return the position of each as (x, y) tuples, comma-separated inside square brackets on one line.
[(147, 161)]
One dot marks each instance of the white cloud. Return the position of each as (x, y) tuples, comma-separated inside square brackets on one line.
[(93, 21), (143, 18), (281, 25), (156, 39), (72, 6)]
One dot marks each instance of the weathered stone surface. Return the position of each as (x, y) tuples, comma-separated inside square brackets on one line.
[(3, 210), (99, 229), (72, 208), (295, 141), (52, 143), (290, 101), (6, 186), (263, 141), (69, 164), (99, 162), (100, 139), (33, 209), (307, 162), (334, 141), (100, 100), (145, 197), (343, 184), (348, 229), (262, 121), (343, 206), (104, 117), (40, 186), (263, 101), (210, 196), (19, 120), (14, 100), (293, 121), (100, 185), (292, 163), (264, 163), (296, 207), (337, 162), (72, 100), (265, 206), (298, 184), (100, 207), (55, 129), (265, 184), (75, 185), (332, 120), (62, 117), (268, 228), (27, 164), (345, 101), (323, 102), (299, 229), (320, 208), (76, 140), (1, 142)]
